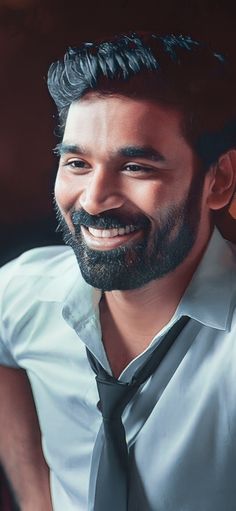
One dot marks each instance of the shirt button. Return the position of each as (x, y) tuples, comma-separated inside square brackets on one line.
[(99, 406)]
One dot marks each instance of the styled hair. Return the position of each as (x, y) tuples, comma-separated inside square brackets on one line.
[(174, 70)]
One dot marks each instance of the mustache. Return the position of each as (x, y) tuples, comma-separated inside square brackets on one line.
[(106, 220)]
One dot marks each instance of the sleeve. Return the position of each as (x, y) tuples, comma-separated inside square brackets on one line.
[(6, 357), (233, 248)]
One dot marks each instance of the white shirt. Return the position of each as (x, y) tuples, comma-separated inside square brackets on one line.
[(181, 425)]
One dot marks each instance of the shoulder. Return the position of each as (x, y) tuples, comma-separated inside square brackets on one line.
[(37, 261), (232, 248), (26, 283), (34, 270)]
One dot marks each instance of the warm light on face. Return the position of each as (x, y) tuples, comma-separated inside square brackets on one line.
[(126, 162)]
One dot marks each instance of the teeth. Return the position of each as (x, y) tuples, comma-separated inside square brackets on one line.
[(111, 233)]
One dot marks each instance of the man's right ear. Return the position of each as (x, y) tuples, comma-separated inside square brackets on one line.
[(223, 183)]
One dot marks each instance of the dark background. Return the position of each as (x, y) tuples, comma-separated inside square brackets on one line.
[(32, 34)]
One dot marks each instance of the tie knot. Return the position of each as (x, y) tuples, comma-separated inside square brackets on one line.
[(114, 395)]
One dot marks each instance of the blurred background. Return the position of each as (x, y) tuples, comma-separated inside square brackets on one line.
[(33, 33)]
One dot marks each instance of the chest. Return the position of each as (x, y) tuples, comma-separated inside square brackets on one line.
[(122, 345), (180, 427)]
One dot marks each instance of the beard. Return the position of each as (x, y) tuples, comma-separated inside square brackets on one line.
[(134, 265)]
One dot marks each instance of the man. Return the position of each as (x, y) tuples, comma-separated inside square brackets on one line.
[(147, 158)]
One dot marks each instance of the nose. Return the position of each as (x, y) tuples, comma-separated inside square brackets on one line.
[(102, 192)]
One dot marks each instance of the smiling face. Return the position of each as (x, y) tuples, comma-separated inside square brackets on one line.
[(125, 163)]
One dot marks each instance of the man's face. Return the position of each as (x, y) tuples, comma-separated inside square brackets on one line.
[(125, 163)]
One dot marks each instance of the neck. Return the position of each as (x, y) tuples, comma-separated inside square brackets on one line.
[(134, 317)]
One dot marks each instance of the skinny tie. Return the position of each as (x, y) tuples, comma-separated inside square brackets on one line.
[(111, 492)]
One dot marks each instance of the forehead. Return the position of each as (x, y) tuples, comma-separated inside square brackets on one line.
[(104, 124)]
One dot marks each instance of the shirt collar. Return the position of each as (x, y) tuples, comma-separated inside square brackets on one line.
[(208, 297)]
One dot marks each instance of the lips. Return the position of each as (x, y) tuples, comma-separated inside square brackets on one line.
[(108, 243), (111, 233)]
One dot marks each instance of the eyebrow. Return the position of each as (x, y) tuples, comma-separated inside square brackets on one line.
[(146, 152), (63, 148)]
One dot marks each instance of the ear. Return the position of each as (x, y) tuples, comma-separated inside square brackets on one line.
[(223, 181)]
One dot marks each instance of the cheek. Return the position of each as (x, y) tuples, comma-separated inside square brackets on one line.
[(158, 199), (65, 198), (65, 193), (154, 197)]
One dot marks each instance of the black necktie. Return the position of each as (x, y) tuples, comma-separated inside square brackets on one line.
[(113, 472)]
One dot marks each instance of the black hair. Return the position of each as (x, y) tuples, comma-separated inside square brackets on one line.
[(174, 70)]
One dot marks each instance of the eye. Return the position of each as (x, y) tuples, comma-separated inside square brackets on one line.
[(76, 165), (132, 167)]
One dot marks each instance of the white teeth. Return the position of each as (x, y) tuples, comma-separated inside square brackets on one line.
[(120, 231), (111, 233)]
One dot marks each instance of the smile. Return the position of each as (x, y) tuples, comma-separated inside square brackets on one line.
[(111, 233), (107, 239)]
